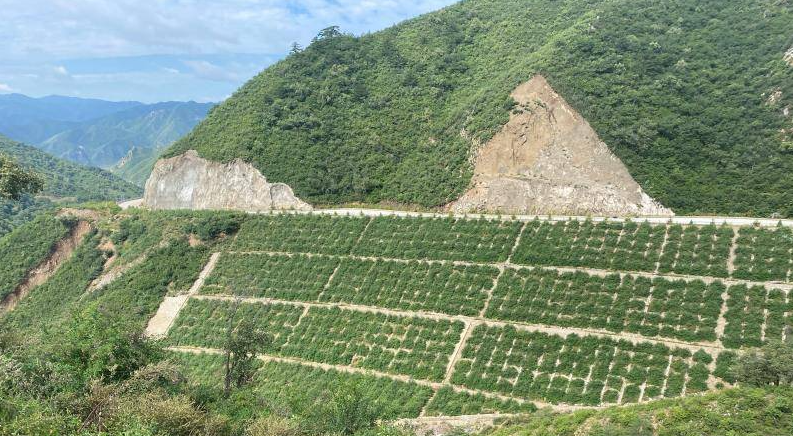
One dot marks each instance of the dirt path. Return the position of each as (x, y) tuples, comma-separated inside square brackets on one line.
[(170, 307), (60, 253), (441, 425)]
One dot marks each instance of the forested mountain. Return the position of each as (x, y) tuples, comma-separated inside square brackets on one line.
[(63, 181), (694, 98), (103, 142)]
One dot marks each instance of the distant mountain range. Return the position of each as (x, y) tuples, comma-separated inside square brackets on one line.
[(96, 132)]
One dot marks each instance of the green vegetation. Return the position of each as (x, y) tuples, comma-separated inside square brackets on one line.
[(764, 254), (297, 277), (397, 345), (295, 387), (26, 247), (678, 90), (415, 286), (137, 165), (47, 306), (15, 181), (755, 315), (300, 234), (448, 402), (765, 412), (57, 377), (103, 142), (555, 369), (62, 181), (439, 239), (627, 246), (652, 307)]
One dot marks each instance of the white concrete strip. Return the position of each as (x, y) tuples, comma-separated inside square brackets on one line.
[(170, 307)]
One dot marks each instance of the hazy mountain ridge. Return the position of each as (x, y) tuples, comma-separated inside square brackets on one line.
[(103, 142), (97, 132)]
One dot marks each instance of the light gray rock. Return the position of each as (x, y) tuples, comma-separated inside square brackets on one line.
[(191, 182)]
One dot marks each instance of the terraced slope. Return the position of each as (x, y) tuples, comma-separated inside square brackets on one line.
[(430, 316), (496, 315)]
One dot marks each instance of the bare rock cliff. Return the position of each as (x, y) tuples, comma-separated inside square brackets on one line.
[(548, 160), (789, 56), (191, 182)]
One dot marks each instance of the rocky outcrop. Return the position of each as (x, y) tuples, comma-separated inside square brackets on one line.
[(548, 160), (789, 56), (191, 182)]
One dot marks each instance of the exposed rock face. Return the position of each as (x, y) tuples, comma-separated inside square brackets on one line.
[(191, 182), (549, 160), (789, 56)]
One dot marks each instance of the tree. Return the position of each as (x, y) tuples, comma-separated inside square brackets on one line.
[(295, 49), (327, 33), (243, 343), (15, 181), (771, 365), (97, 347)]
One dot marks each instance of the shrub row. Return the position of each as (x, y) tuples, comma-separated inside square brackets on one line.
[(397, 345), (294, 387), (764, 254), (575, 370), (418, 286), (439, 239), (300, 233), (754, 315), (298, 277), (677, 309)]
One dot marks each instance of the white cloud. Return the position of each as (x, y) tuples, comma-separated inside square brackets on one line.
[(108, 28), (5, 88), (209, 71), (67, 43)]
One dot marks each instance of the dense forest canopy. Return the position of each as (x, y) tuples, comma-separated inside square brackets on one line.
[(690, 95)]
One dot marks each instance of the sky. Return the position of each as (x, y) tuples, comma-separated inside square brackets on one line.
[(168, 50)]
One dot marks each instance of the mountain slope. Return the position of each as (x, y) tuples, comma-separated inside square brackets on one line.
[(32, 120), (103, 142), (62, 181), (679, 91), (136, 166)]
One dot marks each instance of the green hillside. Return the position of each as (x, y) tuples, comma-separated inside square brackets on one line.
[(63, 180), (678, 90), (383, 318), (136, 166)]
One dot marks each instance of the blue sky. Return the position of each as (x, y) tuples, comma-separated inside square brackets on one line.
[(158, 50)]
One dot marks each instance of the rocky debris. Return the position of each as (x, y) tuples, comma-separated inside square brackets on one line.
[(191, 182), (548, 160), (789, 56)]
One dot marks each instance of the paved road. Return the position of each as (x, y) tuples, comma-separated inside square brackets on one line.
[(696, 220)]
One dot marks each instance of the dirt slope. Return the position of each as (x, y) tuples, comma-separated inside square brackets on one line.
[(60, 254), (548, 159)]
